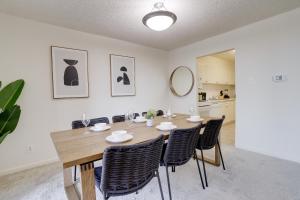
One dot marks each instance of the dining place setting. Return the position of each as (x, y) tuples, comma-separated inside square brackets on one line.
[(119, 136), (94, 139)]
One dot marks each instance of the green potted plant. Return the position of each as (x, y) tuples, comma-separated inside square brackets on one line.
[(9, 112), (149, 116)]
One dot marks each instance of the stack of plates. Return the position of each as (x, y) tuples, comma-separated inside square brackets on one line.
[(119, 137), (195, 118), (173, 115), (100, 127), (140, 119), (166, 126)]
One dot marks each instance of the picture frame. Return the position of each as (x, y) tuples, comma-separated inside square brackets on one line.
[(69, 73), (122, 75)]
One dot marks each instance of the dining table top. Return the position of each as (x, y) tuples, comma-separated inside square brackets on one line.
[(79, 146)]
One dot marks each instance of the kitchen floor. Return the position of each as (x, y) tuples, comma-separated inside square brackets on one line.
[(227, 138), (228, 134)]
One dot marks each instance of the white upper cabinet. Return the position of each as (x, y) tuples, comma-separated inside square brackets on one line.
[(214, 70)]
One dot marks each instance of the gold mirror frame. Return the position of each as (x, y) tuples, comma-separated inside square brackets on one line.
[(171, 84)]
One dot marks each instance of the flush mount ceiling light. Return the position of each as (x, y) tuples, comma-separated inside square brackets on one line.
[(159, 18)]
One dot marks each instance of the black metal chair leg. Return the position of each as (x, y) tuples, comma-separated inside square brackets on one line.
[(199, 171), (221, 155), (203, 163), (75, 167), (173, 168), (105, 196), (169, 187), (159, 183)]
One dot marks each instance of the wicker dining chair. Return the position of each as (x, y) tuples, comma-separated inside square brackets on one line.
[(159, 113), (122, 118), (136, 115), (118, 118), (209, 139), (180, 149), (126, 169), (78, 124)]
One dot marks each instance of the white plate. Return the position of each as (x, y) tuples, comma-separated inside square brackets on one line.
[(93, 128), (166, 128), (124, 138), (195, 120), (140, 120), (170, 116)]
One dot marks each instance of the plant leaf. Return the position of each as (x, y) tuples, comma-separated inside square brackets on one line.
[(9, 120), (3, 136), (10, 94)]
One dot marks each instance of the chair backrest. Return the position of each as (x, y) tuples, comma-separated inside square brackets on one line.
[(136, 115), (121, 118), (78, 124), (210, 134), (126, 169), (144, 114), (181, 145), (159, 113), (118, 118)]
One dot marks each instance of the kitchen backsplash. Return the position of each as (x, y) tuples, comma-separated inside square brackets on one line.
[(213, 90)]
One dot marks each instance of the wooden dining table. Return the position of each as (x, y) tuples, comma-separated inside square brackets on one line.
[(82, 147)]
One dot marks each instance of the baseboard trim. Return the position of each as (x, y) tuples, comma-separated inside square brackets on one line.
[(28, 166), (254, 150)]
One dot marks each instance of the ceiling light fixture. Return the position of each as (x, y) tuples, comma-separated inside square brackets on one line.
[(159, 18)]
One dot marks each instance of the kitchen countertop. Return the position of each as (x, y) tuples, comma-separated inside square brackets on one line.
[(213, 101), (220, 100)]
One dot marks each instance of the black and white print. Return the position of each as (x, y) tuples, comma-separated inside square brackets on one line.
[(122, 75), (69, 72)]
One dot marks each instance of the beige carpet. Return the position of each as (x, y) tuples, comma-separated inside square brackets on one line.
[(249, 176)]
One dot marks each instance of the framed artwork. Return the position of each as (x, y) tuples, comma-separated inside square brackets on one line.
[(122, 75), (69, 73)]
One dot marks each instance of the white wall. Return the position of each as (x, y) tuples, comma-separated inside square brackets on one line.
[(267, 112), (25, 53)]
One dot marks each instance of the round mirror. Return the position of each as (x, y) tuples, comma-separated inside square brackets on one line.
[(181, 81)]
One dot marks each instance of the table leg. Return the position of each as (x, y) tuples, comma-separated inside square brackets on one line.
[(88, 181), (70, 188), (217, 156), (217, 160)]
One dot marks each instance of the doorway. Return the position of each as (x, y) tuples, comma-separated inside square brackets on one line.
[(216, 90)]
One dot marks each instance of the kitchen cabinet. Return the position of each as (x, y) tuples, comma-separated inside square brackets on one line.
[(212, 71), (226, 108)]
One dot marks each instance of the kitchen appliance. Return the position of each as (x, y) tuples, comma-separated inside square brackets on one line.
[(226, 96), (202, 96)]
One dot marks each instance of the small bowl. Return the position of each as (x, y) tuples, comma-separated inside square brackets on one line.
[(194, 117), (100, 125), (165, 123), (119, 133)]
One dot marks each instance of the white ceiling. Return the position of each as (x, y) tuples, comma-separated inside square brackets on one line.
[(122, 19)]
